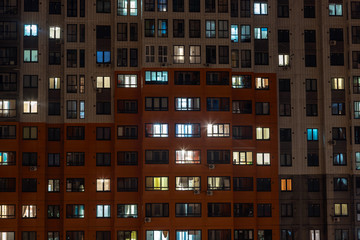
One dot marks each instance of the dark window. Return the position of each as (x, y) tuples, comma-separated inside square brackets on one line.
[(103, 159), (263, 184), (8, 82), (244, 234), (261, 58), (210, 6), (245, 9), (284, 85), (243, 210), (217, 104), (156, 156), (178, 28), (127, 184), (156, 103), (219, 234), (29, 159), (72, 33), (103, 6), (286, 210), (242, 106), (103, 133), (122, 58), (178, 6), (187, 78), (75, 185), (133, 57), (75, 133), (194, 5), (285, 134), (54, 160), (53, 108), (283, 9), (133, 31), (74, 235), (127, 106), (103, 235), (219, 209), (311, 110), (30, 5), (54, 134), (211, 54), (313, 210), (313, 159), (53, 211), (188, 210), (234, 8), (357, 134), (262, 108), (340, 184), (149, 27), (217, 78), (338, 108), (7, 184), (246, 58), (223, 54), (157, 210), (355, 10), (309, 9), (194, 28), (29, 185), (339, 133), (26, 235), (127, 158), (71, 58), (72, 8), (75, 158), (7, 132), (313, 185), (103, 108), (55, 8), (264, 210), (243, 184), (218, 156), (242, 132)]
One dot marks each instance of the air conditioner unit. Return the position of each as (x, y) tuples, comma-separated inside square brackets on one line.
[(196, 192), (33, 168), (211, 166), (147, 220), (336, 219), (332, 42), (209, 193)]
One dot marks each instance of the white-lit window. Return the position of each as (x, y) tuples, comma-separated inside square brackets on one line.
[(187, 183), (337, 83), (156, 130), (187, 156), (188, 235), (54, 83), (133, 7), (156, 77), (260, 8), (30, 30), (261, 83), (53, 185), (335, 9), (127, 211), (242, 158), (210, 27), (122, 7), (157, 235), (103, 185), (195, 54), (314, 234), (7, 108), (218, 130), (179, 54), (187, 104), (357, 160), (31, 55), (7, 211), (30, 106), (260, 33), (7, 235), (102, 82), (54, 33), (187, 130), (263, 158), (262, 133), (103, 211), (235, 33), (284, 60), (127, 81), (28, 211), (241, 81), (341, 209)]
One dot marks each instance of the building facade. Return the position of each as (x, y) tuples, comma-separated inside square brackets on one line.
[(179, 120)]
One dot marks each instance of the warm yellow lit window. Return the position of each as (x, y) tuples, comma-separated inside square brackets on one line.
[(337, 83), (286, 185), (30, 107), (157, 183), (103, 185), (102, 82), (54, 83), (262, 133), (341, 209), (242, 158)]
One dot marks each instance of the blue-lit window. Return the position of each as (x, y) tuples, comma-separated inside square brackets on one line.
[(153, 77), (7, 158), (162, 5), (30, 30), (162, 28), (335, 9), (312, 134), (188, 235), (339, 159), (260, 33), (235, 33), (187, 130), (103, 57), (156, 130), (30, 55)]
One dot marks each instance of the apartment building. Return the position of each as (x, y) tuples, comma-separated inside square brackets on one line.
[(179, 120)]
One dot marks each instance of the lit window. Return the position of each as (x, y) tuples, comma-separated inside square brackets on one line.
[(54, 83), (30, 106), (127, 81), (286, 185), (30, 30), (126, 235), (263, 158), (235, 33), (260, 33), (356, 110), (187, 183), (242, 158), (210, 28), (122, 7), (28, 211), (75, 211), (188, 234), (162, 27), (7, 235), (179, 54), (102, 82), (312, 134), (162, 5), (187, 104), (82, 109), (127, 211), (218, 130), (103, 57), (103, 211), (30, 55), (245, 31), (156, 130), (157, 235), (160, 77), (54, 33), (7, 158), (261, 83), (7, 108), (157, 183), (260, 8), (53, 185), (103, 185), (357, 160), (7, 211), (241, 81), (341, 209), (337, 83), (195, 54), (219, 183), (133, 7), (335, 9), (187, 130), (315, 234), (262, 133), (284, 60), (187, 156)]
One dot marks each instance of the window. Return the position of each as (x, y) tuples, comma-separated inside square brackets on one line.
[(241, 81), (53, 185), (311, 110), (187, 156), (260, 8), (209, 6), (263, 184), (187, 104), (28, 211), (127, 184), (157, 210), (8, 82), (156, 130), (313, 210), (8, 56), (313, 159), (286, 185), (219, 234), (149, 27), (286, 210), (122, 32), (127, 158), (74, 235), (218, 130), (103, 133), (103, 56), (262, 108), (30, 56), (223, 6), (126, 81), (243, 184), (260, 33), (242, 158), (71, 109), (103, 159), (234, 58), (284, 109), (261, 83), (245, 33), (262, 133), (219, 209), (187, 130), (357, 160), (210, 28), (223, 28), (219, 183), (53, 211), (54, 160), (356, 59), (243, 210), (264, 210), (27, 235), (54, 8), (211, 54), (217, 104), (7, 184), (29, 159), (187, 78), (7, 158), (187, 209), (103, 6), (242, 132), (341, 209), (54, 134), (127, 106), (103, 211), (7, 131), (162, 26), (312, 134), (127, 132), (30, 30), (340, 184), (337, 84), (152, 77), (122, 57), (133, 57), (188, 234), (285, 160), (29, 133), (179, 54), (102, 82), (156, 183), (309, 12), (338, 108), (356, 109), (223, 54), (127, 211), (155, 104), (335, 9), (284, 60), (178, 28), (75, 133), (234, 33), (75, 185), (127, 235), (157, 235), (7, 212), (178, 6), (244, 234), (75, 211), (311, 85), (194, 27), (285, 134), (156, 156), (242, 106), (103, 185), (263, 158)]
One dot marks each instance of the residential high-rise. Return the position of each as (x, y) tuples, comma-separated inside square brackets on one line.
[(179, 120)]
